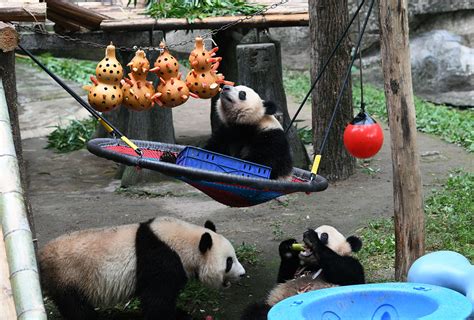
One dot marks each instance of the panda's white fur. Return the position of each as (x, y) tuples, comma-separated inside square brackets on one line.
[(250, 131), (100, 265), (251, 111)]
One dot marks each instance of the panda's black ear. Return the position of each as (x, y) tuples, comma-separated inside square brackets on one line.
[(210, 225), (270, 107), (205, 243), (355, 242)]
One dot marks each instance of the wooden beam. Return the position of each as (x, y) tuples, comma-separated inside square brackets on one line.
[(33, 12), (407, 192), (62, 23), (261, 21), (7, 305), (8, 37), (86, 18), (36, 41)]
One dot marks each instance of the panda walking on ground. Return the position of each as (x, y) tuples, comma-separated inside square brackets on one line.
[(250, 131), (326, 262), (151, 260)]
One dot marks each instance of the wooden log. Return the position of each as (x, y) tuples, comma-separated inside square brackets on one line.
[(259, 67), (8, 37), (32, 12), (7, 305), (86, 18), (62, 23), (407, 191), (38, 41), (261, 21)]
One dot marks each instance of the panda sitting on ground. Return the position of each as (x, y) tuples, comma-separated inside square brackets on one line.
[(250, 131), (150, 260), (326, 262)]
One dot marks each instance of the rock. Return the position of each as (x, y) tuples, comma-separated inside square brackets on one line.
[(424, 16), (441, 64)]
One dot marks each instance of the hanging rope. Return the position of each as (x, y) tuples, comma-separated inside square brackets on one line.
[(361, 81), (326, 63), (317, 157)]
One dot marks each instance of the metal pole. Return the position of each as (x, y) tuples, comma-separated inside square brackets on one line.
[(17, 236)]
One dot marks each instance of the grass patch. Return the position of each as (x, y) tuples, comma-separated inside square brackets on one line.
[(247, 253), (450, 124), (199, 300), (71, 69), (449, 214), (306, 134), (72, 137)]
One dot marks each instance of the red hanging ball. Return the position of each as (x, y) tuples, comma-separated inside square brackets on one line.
[(363, 137)]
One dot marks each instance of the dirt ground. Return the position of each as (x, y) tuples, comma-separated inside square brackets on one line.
[(77, 190)]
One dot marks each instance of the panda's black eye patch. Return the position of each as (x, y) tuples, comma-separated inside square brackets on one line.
[(229, 263), (242, 95), (324, 238)]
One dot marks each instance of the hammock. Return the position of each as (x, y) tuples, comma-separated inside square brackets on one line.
[(228, 189)]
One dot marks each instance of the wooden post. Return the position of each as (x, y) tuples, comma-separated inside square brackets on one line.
[(259, 67), (327, 21), (407, 193), (8, 43)]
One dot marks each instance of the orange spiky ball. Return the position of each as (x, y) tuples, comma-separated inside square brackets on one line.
[(203, 80), (137, 91), (171, 91), (105, 94)]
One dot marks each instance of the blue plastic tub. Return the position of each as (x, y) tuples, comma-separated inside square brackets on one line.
[(207, 160), (381, 301)]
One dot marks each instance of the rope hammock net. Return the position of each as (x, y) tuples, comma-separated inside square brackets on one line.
[(229, 189)]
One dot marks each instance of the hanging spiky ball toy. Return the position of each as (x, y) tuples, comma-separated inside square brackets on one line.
[(171, 91), (137, 91), (105, 94), (363, 137), (203, 80)]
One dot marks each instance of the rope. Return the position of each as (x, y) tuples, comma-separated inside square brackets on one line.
[(150, 48), (341, 92), (107, 125), (326, 63), (362, 104)]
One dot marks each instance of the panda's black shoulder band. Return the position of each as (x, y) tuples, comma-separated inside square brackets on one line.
[(270, 107)]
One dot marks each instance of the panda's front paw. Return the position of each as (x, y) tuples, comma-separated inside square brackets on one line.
[(286, 251), (310, 238)]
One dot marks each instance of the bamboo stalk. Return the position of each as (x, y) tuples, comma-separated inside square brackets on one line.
[(7, 305), (16, 230)]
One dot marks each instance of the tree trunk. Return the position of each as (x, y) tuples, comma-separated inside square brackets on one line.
[(8, 78), (227, 41), (327, 21), (407, 193), (259, 67)]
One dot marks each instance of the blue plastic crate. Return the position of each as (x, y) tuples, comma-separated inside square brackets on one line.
[(207, 160)]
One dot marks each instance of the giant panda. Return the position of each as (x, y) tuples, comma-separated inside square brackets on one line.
[(152, 261), (250, 131), (326, 262)]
